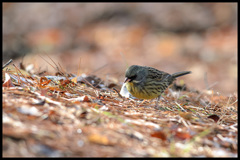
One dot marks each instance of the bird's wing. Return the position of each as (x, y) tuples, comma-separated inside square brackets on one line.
[(158, 75)]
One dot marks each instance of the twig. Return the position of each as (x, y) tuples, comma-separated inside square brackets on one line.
[(56, 68), (22, 75), (117, 92), (10, 61), (180, 107)]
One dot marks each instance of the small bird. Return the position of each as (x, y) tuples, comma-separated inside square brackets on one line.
[(148, 83)]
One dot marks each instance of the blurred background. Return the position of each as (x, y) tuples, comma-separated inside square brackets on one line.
[(105, 38)]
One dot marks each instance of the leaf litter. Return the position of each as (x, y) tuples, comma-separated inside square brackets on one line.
[(55, 116)]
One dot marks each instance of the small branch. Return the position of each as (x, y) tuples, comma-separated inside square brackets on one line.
[(6, 64), (117, 92)]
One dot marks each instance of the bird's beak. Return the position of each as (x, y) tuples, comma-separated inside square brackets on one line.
[(127, 80)]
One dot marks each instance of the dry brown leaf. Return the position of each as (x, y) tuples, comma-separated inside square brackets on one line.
[(183, 135), (214, 117), (99, 139), (159, 134), (186, 115)]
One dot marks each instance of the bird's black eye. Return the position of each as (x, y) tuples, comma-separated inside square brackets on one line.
[(132, 77)]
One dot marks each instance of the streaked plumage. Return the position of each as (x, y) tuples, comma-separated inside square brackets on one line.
[(147, 83)]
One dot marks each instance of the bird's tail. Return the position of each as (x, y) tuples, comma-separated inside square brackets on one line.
[(178, 74)]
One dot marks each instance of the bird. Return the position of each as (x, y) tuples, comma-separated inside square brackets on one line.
[(145, 82)]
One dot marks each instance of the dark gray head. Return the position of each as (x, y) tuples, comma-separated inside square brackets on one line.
[(135, 74)]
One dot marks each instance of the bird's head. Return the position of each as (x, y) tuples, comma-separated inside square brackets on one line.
[(135, 74)]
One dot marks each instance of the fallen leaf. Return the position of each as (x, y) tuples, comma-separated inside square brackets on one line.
[(186, 115), (182, 135), (99, 139), (159, 134), (214, 117)]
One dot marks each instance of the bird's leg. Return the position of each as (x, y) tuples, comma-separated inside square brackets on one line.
[(159, 107), (158, 98)]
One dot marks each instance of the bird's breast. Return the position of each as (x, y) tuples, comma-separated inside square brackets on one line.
[(139, 91)]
